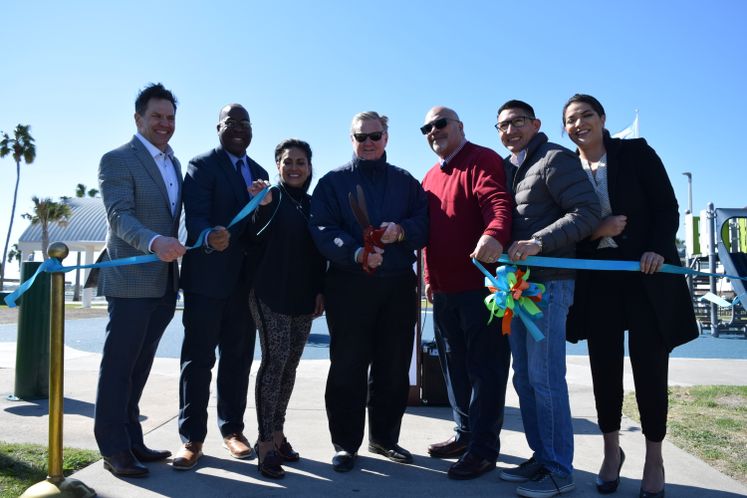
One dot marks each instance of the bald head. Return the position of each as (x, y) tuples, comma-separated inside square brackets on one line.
[(234, 129), (443, 130), (441, 111)]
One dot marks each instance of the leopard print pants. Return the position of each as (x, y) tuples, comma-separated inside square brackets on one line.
[(282, 339)]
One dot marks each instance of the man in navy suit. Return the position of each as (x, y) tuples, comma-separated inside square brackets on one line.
[(140, 185), (216, 280)]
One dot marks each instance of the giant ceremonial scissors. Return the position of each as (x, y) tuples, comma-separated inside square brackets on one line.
[(371, 235)]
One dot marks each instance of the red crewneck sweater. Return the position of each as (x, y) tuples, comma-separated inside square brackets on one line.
[(466, 198)]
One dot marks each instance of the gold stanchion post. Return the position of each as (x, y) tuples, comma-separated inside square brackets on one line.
[(56, 484)]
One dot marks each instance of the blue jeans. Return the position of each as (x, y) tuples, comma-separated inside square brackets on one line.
[(539, 379)]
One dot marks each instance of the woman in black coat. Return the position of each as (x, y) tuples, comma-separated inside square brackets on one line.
[(640, 221), (286, 297)]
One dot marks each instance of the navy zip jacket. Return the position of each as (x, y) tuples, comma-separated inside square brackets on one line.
[(392, 195)]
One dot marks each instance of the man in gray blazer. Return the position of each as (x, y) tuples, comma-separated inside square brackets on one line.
[(216, 280), (140, 184)]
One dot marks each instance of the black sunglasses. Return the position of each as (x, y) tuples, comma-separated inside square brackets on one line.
[(438, 124), (361, 137)]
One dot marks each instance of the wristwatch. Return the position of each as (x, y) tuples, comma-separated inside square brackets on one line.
[(538, 241)]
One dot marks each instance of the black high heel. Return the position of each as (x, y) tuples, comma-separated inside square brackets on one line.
[(609, 487), (658, 494)]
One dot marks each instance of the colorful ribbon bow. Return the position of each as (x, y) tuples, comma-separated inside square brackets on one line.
[(512, 294)]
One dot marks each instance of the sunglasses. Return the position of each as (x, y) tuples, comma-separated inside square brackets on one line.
[(361, 137), (438, 124)]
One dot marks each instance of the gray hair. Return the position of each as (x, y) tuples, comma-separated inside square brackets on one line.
[(370, 116)]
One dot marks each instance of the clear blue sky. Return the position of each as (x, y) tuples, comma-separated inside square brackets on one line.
[(72, 70)]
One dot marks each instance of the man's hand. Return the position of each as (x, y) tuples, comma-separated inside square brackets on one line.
[(487, 250), (167, 248), (611, 226), (256, 187), (429, 293), (519, 250), (392, 233), (375, 259), (651, 262), (218, 238)]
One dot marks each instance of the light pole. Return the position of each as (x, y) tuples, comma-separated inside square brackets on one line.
[(689, 191), (689, 211)]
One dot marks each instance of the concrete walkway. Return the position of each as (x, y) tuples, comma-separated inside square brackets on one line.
[(221, 476)]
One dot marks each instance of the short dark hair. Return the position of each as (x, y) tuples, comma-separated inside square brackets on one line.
[(295, 143), (518, 104), (153, 91), (584, 99)]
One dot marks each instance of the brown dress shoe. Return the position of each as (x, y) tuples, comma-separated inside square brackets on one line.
[(238, 446), (451, 448), (187, 456), (286, 451)]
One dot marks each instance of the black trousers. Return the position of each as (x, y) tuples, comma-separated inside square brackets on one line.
[(135, 327), (626, 307), (475, 359), (371, 322), (209, 323)]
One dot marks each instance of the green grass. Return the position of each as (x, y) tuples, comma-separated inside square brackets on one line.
[(709, 422), (23, 465)]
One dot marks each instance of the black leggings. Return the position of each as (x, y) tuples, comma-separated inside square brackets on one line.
[(627, 307)]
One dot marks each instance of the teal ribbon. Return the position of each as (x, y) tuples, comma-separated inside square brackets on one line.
[(609, 265), (53, 265)]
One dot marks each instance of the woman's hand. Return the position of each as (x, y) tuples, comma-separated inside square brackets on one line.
[(256, 187), (611, 226), (651, 262), (319, 305)]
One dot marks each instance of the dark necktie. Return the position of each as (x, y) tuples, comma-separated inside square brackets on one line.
[(243, 170)]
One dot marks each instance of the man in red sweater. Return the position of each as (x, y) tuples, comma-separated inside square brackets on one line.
[(470, 217)]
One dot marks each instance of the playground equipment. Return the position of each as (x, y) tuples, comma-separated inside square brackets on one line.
[(718, 246)]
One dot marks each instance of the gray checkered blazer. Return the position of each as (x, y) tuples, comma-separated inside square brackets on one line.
[(137, 208)]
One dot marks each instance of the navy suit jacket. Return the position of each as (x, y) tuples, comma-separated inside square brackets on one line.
[(213, 194)]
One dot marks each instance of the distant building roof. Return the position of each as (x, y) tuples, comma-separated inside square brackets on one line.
[(86, 229)]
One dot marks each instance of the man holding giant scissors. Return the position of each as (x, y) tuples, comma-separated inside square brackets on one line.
[(368, 218)]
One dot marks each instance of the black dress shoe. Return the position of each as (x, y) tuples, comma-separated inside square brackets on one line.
[(450, 448), (395, 452), (125, 464), (145, 454), (470, 466), (609, 487), (286, 451), (343, 461), (270, 464)]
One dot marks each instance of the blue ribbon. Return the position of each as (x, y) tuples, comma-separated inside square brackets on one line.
[(53, 265), (604, 264)]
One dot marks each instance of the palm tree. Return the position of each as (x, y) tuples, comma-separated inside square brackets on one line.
[(81, 191), (47, 211), (22, 147)]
